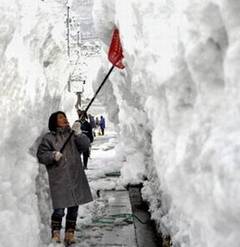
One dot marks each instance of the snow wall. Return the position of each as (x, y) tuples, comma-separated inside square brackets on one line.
[(34, 73), (176, 105)]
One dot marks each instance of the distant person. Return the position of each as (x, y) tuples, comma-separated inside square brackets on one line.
[(87, 130), (97, 126), (97, 122), (92, 123), (102, 124), (67, 180)]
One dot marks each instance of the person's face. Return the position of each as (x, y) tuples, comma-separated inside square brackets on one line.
[(62, 121)]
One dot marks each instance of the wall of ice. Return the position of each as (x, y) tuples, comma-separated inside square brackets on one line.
[(33, 76), (177, 108)]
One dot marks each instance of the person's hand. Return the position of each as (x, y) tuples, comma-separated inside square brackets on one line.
[(77, 128), (57, 155)]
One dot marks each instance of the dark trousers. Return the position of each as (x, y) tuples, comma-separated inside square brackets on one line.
[(102, 130), (71, 218), (85, 158)]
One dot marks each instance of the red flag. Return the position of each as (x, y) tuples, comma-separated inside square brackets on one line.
[(115, 55)]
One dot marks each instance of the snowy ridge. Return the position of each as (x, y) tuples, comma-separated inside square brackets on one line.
[(33, 74), (178, 115)]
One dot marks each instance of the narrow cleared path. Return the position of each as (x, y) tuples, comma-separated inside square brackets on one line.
[(108, 220)]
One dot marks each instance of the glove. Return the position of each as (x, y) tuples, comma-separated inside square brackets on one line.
[(77, 128), (57, 155)]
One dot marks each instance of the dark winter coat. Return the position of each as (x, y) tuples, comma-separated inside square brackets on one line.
[(102, 123), (92, 122), (68, 182), (87, 129)]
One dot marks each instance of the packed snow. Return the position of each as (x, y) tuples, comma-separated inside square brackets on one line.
[(179, 112), (175, 109)]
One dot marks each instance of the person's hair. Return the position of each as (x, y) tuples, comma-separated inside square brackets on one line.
[(52, 122)]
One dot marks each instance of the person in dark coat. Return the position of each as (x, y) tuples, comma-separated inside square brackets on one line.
[(102, 124), (87, 130), (97, 122), (92, 123), (68, 183)]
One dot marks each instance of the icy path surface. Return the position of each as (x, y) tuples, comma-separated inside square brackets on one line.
[(95, 228)]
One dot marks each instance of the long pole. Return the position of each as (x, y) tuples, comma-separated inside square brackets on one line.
[(101, 85), (65, 143)]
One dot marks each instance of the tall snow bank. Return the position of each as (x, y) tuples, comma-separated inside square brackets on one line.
[(177, 108), (33, 75)]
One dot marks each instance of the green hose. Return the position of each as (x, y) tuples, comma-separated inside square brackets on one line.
[(128, 218)]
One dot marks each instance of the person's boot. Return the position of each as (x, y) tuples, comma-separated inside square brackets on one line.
[(56, 236), (70, 232), (56, 227), (70, 237)]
